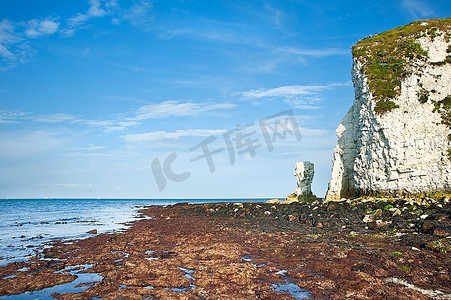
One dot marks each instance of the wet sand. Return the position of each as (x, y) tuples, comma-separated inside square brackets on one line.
[(339, 250)]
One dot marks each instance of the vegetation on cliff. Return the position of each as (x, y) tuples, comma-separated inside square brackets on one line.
[(388, 58)]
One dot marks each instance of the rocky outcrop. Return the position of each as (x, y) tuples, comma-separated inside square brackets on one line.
[(304, 172), (396, 137)]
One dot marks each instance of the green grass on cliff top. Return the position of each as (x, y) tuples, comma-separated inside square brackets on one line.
[(388, 57)]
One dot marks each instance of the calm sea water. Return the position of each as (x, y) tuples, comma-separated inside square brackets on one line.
[(27, 225)]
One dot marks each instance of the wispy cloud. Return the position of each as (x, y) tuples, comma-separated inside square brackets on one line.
[(304, 102), (14, 49), (138, 13), (313, 52), (123, 121), (17, 145), (297, 96), (288, 90), (52, 118), (71, 185), (7, 117), (85, 155), (163, 135), (207, 32), (417, 8), (15, 35), (7, 37), (37, 28), (97, 9), (173, 108)]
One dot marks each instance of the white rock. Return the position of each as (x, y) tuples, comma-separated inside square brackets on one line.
[(304, 172), (403, 151), (368, 218)]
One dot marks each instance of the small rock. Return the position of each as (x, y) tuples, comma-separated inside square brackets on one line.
[(292, 218), (379, 224), (273, 201), (422, 217), (415, 249), (441, 232), (427, 225), (267, 212), (331, 206), (129, 264), (94, 231), (368, 218), (396, 212)]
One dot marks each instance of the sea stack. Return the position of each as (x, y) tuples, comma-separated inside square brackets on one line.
[(304, 172), (396, 138)]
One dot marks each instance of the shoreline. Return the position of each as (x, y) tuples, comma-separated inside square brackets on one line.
[(42, 221), (254, 250)]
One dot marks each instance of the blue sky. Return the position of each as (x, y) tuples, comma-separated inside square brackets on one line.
[(112, 98)]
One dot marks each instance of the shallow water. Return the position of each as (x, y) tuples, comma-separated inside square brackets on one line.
[(28, 224), (83, 279), (291, 288)]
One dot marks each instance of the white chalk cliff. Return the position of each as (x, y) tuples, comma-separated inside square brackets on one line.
[(403, 150)]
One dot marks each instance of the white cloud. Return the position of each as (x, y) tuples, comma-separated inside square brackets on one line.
[(72, 185), (4, 52), (312, 132), (417, 8), (53, 118), (282, 91), (14, 49), (20, 145), (97, 9), (85, 155), (36, 28), (172, 108), (289, 90), (138, 13), (314, 52), (122, 121), (7, 117), (162, 135), (303, 102)]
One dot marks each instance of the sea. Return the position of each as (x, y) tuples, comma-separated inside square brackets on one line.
[(27, 226)]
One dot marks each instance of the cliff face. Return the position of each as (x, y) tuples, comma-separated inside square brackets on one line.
[(396, 137)]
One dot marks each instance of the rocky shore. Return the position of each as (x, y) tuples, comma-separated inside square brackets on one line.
[(351, 249)]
